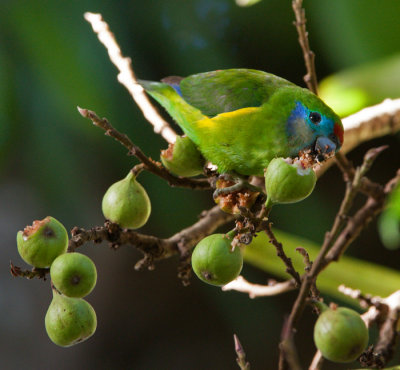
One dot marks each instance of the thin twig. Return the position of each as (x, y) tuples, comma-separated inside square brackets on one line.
[(308, 265), (371, 316), (355, 225), (353, 185), (306, 258), (317, 361), (150, 165), (365, 300), (367, 187), (127, 77), (240, 284), (309, 57), (281, 253), (288, 353), (241, 355), (388, 335), (39, 273), (386, 314), (358, 222)]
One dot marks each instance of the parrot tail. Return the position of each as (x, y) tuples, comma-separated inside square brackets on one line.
[(169, 96)]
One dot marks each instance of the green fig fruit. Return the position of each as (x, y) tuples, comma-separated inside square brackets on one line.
[(288, 183), (183, 158), (214, 262), (42, 242), (127, 203), (340, 334), (73, 274), (69, 321)]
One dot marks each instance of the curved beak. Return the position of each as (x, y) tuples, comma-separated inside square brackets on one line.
[(325, 147)]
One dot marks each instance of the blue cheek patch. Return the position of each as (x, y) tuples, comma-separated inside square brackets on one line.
[(303, 134), (298, 113), (301, 114)]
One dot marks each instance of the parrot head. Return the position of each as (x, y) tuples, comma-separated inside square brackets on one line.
[(313, 126)]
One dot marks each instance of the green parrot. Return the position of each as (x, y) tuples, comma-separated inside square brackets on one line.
[(240, 119)]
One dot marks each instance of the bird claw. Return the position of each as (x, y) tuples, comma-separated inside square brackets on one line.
[(239, 184), (234, 194)]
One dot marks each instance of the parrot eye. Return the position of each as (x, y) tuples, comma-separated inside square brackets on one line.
[(315, 117)]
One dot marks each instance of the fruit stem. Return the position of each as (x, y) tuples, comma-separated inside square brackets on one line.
[(320, 305), (136, 170), (268, 203), (231, 234)]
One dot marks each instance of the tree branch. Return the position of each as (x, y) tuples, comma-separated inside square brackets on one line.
[(367, 124), (365, 300), (370, 123), (281, 254), (385, 312), (39, 273), (152, 247), (336, 243), (127, 77), (241, 355), (309, 57), (317, 361), (240, 284), (358, 222), (152, 166)]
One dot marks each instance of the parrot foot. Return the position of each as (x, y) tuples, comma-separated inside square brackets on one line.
[(239, 184)]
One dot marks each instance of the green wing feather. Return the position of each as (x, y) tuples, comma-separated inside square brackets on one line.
[(229, 90)]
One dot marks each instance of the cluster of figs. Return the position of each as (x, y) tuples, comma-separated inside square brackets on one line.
[(340, 333), (69, 319)]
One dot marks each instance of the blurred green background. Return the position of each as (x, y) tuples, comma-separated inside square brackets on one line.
[(54, 162)]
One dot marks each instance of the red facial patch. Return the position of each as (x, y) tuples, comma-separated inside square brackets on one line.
[(338, 131)]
